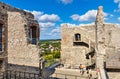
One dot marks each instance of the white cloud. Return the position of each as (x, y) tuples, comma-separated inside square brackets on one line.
[(88, 16), (111, 15), (116, 1), (74, 25), (118, 18), (36, 13), (45, 20), (40, 16), (46, 24), (118, 25), (92, 23), (118, 10), (55, 31), (119, 5), (49, 18), (43, 29), (66, 1)]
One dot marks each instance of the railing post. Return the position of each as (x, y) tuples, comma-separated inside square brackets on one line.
[(75, 77), (3, 75), (15, 74), (19, 74), (24, 75), (6, 74), (29, 75), (56, 74), (65, 76), (10, 74), (34, 76)]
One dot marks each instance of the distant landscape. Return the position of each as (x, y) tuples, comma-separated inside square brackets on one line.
[(51, 51)]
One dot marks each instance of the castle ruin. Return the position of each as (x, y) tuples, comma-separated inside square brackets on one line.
[(19, 37), (94, 45)]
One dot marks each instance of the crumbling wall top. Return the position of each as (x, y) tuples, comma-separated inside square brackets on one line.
[(64, 26), (7, 7), (100, 16)]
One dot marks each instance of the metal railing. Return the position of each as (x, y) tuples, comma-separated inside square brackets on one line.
[(10, 74)]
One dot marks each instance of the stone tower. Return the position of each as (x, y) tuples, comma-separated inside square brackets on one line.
[(100, 36)]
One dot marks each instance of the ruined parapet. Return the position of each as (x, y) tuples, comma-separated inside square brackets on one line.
[(64, 26)]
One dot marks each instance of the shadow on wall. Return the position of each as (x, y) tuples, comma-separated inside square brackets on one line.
[(80, 44)]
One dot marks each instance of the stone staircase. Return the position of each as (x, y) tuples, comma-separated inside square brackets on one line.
[(91, 52)]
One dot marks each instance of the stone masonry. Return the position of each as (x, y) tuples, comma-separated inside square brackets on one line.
[(93, 45), (20, 37)]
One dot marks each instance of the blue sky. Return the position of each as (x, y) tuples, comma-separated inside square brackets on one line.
[(51, 14)]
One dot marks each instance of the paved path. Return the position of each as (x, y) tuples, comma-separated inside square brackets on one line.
[(69, 74)]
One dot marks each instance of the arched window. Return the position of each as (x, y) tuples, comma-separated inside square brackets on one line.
[(33, 35), (77, 37), (0, 37)]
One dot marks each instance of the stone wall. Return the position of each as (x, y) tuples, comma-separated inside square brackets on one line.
[(72, 54), (17, 46), (108, 38), (3, 23), (114, 75), (19, 52), (103, 37)]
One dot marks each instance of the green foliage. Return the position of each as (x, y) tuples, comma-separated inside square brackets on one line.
[(51, 51), (56, 55), (48, 57)]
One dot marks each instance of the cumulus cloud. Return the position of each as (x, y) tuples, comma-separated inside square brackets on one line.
[(88, 16), (45, 20), (66, 1), (72, 25), (46, 24), (118, 25), (119, 5), (118, 18), (40, 16), (92, 23), (48, 18), (117, 10), (118, 2), (37, 13), (56, 31)]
